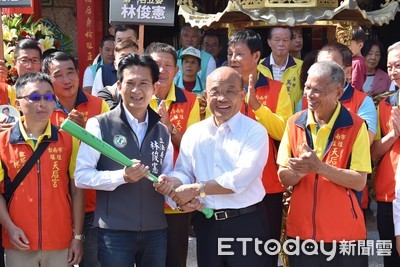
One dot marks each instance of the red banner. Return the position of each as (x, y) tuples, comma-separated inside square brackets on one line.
[(90, 32)]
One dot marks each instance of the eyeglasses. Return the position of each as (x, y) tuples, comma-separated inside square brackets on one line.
[(26, 61), (35, 98), (214, 93)]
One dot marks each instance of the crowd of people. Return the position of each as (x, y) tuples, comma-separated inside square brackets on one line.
[(232, 135)]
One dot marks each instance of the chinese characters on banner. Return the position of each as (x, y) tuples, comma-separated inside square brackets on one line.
[(156, 12), (146, 12), (90, 25)]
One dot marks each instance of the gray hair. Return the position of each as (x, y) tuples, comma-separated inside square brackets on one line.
[(329, 69), (188, 26), (395, 46)]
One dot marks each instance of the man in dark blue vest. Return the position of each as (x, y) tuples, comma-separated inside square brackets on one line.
[(107, 74), (129, 212)]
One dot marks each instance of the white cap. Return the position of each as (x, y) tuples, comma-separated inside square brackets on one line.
[(191, 51)]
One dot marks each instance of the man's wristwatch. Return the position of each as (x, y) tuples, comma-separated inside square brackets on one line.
[(202, 193), (80, 237)]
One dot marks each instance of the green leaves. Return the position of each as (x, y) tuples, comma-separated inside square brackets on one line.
[(16, 27)]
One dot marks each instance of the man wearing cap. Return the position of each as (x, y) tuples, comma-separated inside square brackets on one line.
[(190, 36), (188, 79)]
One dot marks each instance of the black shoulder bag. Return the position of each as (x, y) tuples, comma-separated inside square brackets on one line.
[(10, 189)]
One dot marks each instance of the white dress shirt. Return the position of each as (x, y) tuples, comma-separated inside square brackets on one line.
[(86, 174), (233, 154)]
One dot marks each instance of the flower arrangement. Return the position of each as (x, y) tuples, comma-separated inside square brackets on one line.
[(15, 29)]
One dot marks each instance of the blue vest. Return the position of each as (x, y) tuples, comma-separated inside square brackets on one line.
[(108, 74), (198, 88)]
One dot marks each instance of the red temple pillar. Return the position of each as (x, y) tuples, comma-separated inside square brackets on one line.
[(90, 32)]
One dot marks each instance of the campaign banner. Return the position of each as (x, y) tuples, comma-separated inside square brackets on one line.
[(145, 12)]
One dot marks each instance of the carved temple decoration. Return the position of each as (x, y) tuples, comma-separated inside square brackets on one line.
[(388, 2), (285, 3), (188, 3), (344, 32), (263, 13)]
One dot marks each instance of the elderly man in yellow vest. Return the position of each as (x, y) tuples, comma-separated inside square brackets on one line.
[(281, 66), (324, 154)]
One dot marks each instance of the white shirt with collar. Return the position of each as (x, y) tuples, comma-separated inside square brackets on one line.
[(98, 82), (86, 174), (277, 71), (233, 154)]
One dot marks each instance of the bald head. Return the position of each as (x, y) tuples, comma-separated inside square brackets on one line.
[(225, 73), (224, 93)]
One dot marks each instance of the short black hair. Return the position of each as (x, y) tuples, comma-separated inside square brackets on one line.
[(26, 44), (368, 44), (125, 27), (156, 47), (212, 34), (29, 78), (358, 35), (309, 59), (249, 37), (269, 34), (136, 60), (59, 56), (48, 52), (106, 39), (344, 51)]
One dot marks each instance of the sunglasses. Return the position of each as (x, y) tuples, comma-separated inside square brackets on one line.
[(35, 98)]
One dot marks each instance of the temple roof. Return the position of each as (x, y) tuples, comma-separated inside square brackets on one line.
[(237, 11)]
